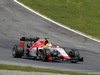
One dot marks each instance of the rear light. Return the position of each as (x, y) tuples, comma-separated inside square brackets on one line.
[(50, 58), (22, 44)]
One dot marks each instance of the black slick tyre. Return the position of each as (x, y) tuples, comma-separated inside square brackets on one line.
[(74, 54), (17, 51), (45, 54)]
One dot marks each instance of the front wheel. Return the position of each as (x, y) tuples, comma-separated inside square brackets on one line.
[(45, 53), (74, 54), (17, 51)]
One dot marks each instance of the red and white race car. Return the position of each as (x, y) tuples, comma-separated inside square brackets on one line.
[(41, 49)]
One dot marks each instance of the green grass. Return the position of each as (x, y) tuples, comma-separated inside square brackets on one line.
[(81, 15), (32, 69)]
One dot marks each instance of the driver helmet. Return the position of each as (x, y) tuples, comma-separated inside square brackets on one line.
[(48, 45)]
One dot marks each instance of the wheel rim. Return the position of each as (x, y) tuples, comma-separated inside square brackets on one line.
[(13, 52), (42, 56)]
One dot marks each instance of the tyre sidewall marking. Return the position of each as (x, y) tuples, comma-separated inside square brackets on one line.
[(44, 57)]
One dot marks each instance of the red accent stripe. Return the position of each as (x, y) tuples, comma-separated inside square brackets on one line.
[(38, 44), (65, 57)]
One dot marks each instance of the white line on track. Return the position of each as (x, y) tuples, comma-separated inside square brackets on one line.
[(89, 37)]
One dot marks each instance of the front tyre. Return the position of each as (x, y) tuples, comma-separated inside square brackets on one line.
[(74, 54), (17, 51), (45, 54)]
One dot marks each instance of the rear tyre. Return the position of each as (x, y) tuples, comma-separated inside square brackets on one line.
[(45, 53), (17, 51), (74, 54)]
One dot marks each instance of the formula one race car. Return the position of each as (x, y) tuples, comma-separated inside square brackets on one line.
[(41, 49)]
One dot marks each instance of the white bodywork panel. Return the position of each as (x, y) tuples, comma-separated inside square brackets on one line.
[(33, 52), (62, 52)]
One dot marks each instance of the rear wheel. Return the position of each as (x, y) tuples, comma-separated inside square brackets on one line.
[(45, 53), (74, 54), (17, 51)]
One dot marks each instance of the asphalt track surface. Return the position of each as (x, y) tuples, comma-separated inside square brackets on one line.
[(16, 21)]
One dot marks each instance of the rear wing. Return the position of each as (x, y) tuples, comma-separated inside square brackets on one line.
[(34, 39)]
